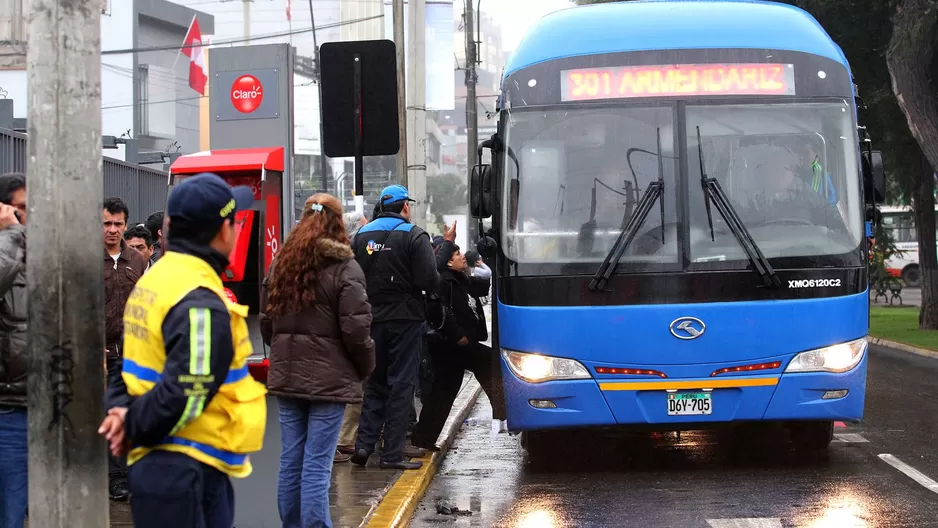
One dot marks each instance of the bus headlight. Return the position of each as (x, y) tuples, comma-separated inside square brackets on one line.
[(835, 358), (535, 368)]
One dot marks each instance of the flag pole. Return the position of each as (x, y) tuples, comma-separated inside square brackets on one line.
[(178, 53)]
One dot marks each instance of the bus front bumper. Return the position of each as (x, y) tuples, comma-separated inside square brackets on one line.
[(611, 402)]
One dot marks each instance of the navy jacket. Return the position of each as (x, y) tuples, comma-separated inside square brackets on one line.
[(399, 266)]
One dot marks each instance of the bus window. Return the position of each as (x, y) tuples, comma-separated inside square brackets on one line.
[(566, 153), (790, 172)]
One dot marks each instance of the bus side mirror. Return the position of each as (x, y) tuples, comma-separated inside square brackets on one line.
[(480, 191), (874, 174)]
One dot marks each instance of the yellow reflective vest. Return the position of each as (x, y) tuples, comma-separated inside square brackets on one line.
[(224, 431)]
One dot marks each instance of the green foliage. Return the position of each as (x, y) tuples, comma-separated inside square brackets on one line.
[(883, 249)]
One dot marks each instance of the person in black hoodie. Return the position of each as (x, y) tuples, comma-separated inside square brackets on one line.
[(457, 347)]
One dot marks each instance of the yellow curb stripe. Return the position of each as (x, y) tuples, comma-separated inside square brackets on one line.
[(400, 503), (712, 383)]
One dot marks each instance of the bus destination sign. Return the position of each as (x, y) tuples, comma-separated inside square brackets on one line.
[(677, 80)]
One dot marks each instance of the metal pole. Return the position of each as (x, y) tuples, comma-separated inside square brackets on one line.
[(359, 184), (65, 282), (398, 21), (472, 119), (246, 21), (323, 166)]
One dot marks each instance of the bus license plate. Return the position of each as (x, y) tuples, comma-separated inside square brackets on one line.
[(689, 403)]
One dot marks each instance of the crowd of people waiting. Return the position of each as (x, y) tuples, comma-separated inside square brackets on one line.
[(354, 311)]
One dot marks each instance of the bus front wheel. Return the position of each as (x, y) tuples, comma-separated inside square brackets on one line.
[(912, 276), (539, 444), (811, 436)]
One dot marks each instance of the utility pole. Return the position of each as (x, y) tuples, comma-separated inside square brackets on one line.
[(398, 22), (322, 134), (472, 118), (246, 21), (65, 282), (417, 111)]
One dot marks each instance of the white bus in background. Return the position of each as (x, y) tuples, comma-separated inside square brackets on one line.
[(900, 221)]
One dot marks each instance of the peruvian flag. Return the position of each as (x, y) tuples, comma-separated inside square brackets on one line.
[(192, 48)]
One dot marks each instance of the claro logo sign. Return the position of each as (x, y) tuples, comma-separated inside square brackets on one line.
[(247, 93)]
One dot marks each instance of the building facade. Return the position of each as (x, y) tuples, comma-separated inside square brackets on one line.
[(145, 92)]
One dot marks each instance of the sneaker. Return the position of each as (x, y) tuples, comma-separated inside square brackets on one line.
[(118, 491), (340, 457)]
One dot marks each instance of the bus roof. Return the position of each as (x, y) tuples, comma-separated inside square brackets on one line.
[(672, 24)]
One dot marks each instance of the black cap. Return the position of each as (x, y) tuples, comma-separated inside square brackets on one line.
[(207, 199)]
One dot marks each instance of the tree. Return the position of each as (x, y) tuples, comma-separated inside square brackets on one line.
[(911, 62)]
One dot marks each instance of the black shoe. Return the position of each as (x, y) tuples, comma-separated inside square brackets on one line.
[(403, 464), (413, 452), (118, 491), (360, 457)]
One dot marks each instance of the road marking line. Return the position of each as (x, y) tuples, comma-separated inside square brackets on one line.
[(852, 438), (910, 472), (763, 522)]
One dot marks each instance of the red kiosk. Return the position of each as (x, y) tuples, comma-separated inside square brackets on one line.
[(259, 229)]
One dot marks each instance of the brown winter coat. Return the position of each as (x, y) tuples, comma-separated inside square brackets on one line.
[(119, 280), (325, 352)]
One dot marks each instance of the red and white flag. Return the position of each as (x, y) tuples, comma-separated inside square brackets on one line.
[(289, 11), (192, 48)]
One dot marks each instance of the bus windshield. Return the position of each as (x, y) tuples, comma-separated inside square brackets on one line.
[(566, 158), (789, 170)]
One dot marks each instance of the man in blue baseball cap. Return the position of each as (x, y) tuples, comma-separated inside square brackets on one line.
[(185, 406), (400, 266)]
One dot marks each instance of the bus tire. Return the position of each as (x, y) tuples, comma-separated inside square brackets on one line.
[(811, 436), (538, 444), (912, 276)]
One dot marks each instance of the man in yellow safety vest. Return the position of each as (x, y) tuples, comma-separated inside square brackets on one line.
[(185, 406)]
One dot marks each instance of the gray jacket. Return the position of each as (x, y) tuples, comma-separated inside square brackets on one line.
[(13, 314)]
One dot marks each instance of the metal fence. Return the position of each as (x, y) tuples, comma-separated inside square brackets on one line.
[(143, 189)]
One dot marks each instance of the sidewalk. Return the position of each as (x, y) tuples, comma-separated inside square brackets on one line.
[(355, 493), (353, 497)]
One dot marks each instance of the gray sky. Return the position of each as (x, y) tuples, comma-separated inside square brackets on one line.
[(517, 16)]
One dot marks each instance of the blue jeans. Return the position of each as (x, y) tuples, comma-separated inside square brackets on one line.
[(309, 434), (14, 467)]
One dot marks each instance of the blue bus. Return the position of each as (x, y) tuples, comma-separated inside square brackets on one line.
[(680, 198)]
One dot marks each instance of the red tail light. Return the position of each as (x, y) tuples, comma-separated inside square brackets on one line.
[(629, 372), (748, 368)]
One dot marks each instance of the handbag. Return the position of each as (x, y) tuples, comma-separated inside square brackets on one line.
[(435, 335)]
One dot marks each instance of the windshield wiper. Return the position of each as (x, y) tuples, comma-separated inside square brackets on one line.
[(631, 227), (714, 192)]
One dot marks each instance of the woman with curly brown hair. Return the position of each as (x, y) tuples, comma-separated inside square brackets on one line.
[(317, 321)]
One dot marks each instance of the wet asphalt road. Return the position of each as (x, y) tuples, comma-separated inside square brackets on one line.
[(742, 478)]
